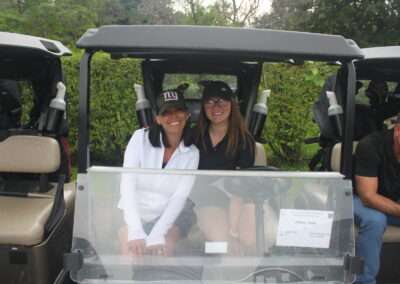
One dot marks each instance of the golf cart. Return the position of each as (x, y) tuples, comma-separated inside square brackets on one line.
[(377, 103), (36, 195), (293, 242)]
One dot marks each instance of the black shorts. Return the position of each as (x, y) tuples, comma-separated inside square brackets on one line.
[(209, 196), (183, 222)]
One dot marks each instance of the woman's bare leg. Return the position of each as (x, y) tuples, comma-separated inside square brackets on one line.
[(214, 223), (123, 240), (247, 229)]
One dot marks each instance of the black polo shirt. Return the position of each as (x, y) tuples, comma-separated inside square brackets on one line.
[(375, 158), (216, 158)]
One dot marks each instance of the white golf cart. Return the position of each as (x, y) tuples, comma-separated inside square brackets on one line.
[(377, 103), (36, 195), (297, 239)]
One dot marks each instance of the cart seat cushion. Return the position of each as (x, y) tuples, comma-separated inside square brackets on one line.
[(29, 154), (22, 219), (261, 156), (194, 107), (336, 155), (391, 235)]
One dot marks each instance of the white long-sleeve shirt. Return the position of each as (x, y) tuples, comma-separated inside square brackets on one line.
[(145, 197)]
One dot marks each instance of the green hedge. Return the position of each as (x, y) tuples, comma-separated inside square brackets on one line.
[(294, 89), (112, 114), (113, 118)]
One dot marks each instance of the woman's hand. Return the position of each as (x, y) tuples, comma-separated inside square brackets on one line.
[(234, 247), (159, 250), (171, 238), (137, 247)]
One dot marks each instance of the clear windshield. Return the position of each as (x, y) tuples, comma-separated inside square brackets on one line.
[(217, 226)]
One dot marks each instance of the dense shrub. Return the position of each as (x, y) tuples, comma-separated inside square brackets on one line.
[(294, 89), (113, 118)]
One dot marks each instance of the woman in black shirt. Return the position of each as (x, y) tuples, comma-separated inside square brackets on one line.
[(224, 144)]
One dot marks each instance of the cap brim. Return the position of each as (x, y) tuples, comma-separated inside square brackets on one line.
[(224, 96), (168, 105)]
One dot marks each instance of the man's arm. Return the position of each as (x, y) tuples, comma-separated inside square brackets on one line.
[(367, 189)]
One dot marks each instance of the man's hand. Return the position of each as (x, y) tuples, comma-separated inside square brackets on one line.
[(137, 247)]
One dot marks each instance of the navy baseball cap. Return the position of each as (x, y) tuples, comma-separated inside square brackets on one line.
[(168, 99)]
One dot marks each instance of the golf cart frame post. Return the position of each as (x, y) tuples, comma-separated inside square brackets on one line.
[(169, 42)]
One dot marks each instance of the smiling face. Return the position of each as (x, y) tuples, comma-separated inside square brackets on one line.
[(173, 120), (218, 111)]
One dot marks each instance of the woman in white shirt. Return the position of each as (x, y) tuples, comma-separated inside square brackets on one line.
[(152, 203)]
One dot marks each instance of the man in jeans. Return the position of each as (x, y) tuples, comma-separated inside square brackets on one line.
[(377, 177)]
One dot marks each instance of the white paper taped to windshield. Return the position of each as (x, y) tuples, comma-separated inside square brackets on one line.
[(216, 247), (304, 228)]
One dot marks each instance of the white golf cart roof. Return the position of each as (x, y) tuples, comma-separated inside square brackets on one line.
[(383, 52), (13, 43), (379, 63), (245, 44)]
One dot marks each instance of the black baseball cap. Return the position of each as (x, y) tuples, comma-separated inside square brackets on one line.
[(170, 98), (216, 89)]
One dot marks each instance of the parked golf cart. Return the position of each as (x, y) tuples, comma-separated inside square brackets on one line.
[(36, 196), (286, 249), (377, 103)]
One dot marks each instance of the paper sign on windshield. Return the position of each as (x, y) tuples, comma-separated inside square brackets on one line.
[(304, 228)]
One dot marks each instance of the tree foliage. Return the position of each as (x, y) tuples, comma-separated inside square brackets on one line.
[(368, 22), (285, 15), (64, 20), (238, 12), (157, 12)]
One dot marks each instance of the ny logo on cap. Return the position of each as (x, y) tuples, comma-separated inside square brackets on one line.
[(170, 96)]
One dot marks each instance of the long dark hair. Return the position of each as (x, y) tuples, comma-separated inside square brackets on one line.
[(238, 135), (156, 130)]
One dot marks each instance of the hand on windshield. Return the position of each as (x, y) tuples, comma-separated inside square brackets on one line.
[(137, 247)]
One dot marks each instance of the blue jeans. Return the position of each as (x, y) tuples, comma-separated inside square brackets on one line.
[(372, 225)]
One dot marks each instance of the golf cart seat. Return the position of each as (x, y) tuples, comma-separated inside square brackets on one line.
[(34, 222), (194, 107), (26, 214), (392, 233), (261, 155)]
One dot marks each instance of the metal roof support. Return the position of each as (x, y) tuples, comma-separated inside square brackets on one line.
[(83, 115), (348, 130), (253, 91)]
